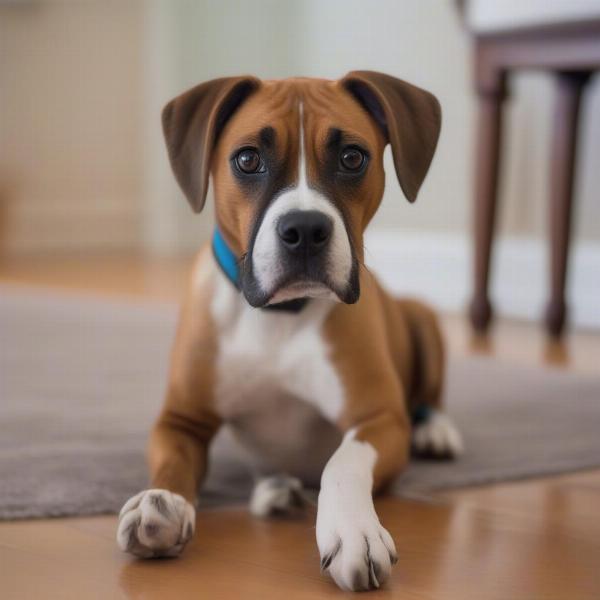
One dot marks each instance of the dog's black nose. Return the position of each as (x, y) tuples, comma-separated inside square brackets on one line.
[(305, 231)]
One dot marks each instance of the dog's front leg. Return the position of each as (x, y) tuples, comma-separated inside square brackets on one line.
[(161, 520), (355, 548)]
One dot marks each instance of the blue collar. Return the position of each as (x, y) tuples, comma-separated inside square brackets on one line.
[(228, 262), (225, 258)]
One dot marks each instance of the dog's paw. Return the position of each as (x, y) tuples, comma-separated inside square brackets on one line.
[(155, 523), (358, 553), (437, 437), (277, 496)]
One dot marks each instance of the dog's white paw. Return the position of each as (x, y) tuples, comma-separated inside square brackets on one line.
[(437, 437), (155, 523), (277, 496), (357, 552)]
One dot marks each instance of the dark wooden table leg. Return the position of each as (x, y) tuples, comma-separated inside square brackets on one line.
[(562, 174), (491, 93)]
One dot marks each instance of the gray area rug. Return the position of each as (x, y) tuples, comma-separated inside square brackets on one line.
[(81, 381)]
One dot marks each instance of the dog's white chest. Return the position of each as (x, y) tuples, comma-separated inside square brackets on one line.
[(265, 355)]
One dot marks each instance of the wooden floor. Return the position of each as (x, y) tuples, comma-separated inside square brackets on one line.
[(526, 541)]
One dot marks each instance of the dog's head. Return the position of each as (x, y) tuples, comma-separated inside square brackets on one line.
[(297, 169)]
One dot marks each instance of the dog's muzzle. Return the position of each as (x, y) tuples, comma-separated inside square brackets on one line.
[(301, 254)]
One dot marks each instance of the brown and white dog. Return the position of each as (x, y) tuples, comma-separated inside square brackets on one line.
[(284, 335)]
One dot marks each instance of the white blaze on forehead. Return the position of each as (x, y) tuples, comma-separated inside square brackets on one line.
[(302, 169), (265, 256)]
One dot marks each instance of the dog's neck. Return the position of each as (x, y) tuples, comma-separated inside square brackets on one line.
[(229, 264)]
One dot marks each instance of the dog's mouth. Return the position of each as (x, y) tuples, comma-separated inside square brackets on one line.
[(299, 284), (303, 289)]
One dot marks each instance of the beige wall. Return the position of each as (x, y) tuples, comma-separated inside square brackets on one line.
[(82, 161), (70, 127), (424, 42)]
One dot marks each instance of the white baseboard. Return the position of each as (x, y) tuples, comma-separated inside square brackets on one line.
[(437, 267)]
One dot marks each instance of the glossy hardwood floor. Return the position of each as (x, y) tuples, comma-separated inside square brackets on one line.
[(531, 540)]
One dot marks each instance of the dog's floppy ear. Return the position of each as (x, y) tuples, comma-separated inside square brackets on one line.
[(192, 123), (409, 117)]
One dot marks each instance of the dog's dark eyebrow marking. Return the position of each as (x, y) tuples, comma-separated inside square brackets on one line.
[(337, 137), (334, 137), (267, 136)]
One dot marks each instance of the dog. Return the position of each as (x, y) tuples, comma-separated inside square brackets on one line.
[(284, 335)]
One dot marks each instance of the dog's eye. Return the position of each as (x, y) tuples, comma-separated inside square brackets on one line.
[(352, 159), (248, 161)]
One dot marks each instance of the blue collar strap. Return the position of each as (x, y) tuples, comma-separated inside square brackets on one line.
[(228, 262), (225, 258)]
